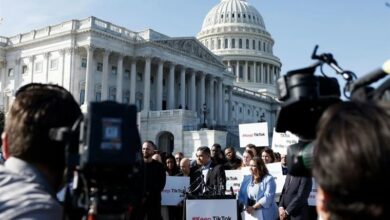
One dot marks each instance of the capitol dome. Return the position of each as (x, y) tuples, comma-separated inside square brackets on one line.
[(235, 31), (230, 12)]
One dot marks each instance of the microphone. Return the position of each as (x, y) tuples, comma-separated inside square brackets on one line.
[(232, 191), (198, 182), (221, 187), (371, 77)]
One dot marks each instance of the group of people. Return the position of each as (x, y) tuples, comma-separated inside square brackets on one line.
[(351, 162), (207, 178)]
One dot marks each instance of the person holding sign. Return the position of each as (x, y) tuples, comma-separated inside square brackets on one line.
[(257, 192)]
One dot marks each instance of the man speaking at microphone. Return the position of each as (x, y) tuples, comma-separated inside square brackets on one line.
[(209, 178)]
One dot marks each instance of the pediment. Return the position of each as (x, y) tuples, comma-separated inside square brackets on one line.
[(192, 47)]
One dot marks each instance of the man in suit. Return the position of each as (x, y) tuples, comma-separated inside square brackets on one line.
[(293, 201), (209, 178)]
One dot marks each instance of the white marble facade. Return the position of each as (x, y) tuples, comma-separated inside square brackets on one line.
[(168, 79)]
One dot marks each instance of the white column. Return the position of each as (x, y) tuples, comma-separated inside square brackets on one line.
[(193, 91), (119, 79), (133, 75), (62, 66), (246, 72), (171, 87), (269, 73), (46, 66), (183, 88), (17, 73), (238, 71), (230, 90), (202, 90), (254, 72), (146, 100), (263, 73), (89, 84), (211, 95), (31, 68), (220, 101), (106, 68), (159, 82), (73, 80)]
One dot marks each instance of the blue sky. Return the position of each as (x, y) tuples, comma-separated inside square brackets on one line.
[(357, 32)]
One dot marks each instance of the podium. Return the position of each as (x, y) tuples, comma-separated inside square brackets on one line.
[(211, 207)]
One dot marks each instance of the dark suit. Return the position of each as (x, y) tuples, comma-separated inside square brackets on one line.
[(294, 196), (214, 180)]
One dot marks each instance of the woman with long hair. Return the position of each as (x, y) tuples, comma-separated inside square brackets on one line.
[(257, 192)]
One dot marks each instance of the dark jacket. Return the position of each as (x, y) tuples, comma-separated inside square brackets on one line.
[(294, 197), (215, 180)]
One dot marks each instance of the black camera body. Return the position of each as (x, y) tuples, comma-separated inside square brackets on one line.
[(304, 97), (104, 163), (109, 141)]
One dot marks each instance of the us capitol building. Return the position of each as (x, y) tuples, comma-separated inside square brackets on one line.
[(223, 77)]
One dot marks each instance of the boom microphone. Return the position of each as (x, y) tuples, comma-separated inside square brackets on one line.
[(371, 77)]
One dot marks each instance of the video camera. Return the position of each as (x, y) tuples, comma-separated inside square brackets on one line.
[(305, 96), (104, 162)]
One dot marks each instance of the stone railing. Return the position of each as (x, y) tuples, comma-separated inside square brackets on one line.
[(73, 26), (175, 113), (262, 96), (116, 30)]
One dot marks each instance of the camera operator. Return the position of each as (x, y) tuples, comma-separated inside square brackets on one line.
[(34, 167), (352, 160)]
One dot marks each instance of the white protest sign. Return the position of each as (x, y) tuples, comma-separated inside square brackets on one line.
[(256, 215), (197, 209), (233, 180), (173, 192), (280, 141), (253, 133), (312, 196), (275, 169)]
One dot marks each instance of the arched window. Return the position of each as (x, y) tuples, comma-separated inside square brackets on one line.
[(233, 43), (240, 43)]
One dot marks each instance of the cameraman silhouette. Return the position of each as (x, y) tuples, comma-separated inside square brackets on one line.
[(34, 167), (352, 160)]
